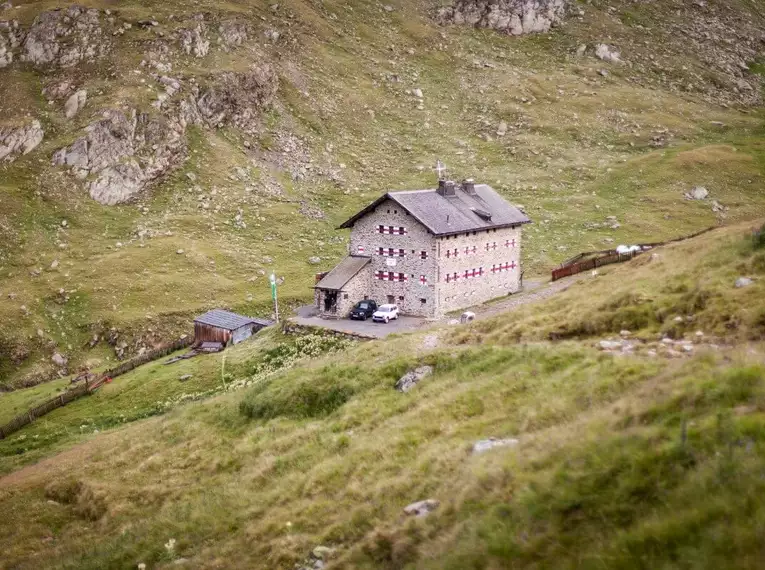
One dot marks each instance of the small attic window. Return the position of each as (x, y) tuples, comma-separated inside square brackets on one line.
[(483, 214)]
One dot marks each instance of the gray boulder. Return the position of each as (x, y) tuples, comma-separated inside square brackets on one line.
[(421, 508), (75, 103), (65, 37), (697, 193), (59, 360), (515, 17), (322, 552), (611, 344), (411, 378), (607, 53), (19, 140), (492, 443)]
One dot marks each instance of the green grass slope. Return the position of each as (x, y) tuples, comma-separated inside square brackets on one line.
[(623, 460), (581, 145)]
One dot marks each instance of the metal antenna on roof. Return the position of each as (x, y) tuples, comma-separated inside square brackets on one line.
[(440, 169)]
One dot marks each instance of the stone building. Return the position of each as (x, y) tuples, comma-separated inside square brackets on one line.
[(428, 251)]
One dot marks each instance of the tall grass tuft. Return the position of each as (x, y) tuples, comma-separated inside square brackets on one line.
[(758, 238)]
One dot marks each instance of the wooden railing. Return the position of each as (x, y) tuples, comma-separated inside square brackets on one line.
[(89, 386), (592, 263), (595, 259)]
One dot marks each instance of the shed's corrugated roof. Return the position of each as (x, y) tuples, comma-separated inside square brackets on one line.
[(444, 215), (229, 321), (336, 279)]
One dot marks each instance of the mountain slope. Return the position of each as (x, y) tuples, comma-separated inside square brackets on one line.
[(232, 187), (624, 459)]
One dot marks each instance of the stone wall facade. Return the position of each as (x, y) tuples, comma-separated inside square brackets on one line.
[(410, 256), (426, 275), (487, 264)]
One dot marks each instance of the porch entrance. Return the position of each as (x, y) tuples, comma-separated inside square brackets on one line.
[(330, 301)]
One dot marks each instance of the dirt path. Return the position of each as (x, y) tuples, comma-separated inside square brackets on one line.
[(534, 291)]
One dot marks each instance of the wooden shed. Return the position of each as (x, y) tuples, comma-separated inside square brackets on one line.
[(225, 328)]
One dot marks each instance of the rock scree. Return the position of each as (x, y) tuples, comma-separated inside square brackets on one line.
[(65, 37)]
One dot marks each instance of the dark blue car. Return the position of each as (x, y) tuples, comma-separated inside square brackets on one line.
[(363, 310)]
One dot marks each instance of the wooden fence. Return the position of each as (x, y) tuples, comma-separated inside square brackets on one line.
[(592, 263), (595, 259), (89, 386)]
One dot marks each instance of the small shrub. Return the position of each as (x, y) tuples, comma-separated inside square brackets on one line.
[(758, 238), (467, 406), (391, 549), (87, 503), (304, 397), (65, 491)]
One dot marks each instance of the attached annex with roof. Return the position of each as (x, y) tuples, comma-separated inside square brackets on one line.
[(346, 270)]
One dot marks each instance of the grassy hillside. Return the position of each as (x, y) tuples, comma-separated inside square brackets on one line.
[(585, 140), (623, 460)]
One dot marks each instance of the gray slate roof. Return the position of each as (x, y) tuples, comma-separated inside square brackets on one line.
[(336, 279), (229, 321), (445, 215)]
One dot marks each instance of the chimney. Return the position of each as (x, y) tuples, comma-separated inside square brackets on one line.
[(468, 186), (446, 188)]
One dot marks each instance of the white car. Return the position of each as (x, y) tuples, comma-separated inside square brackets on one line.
[(385, 313)]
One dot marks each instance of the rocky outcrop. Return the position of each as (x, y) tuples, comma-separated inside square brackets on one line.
[(235, 98), (123, 154), (19, 140), (232, 33), (194, 41), (514, 17), (11, 37), (64, 38), (75, 103)]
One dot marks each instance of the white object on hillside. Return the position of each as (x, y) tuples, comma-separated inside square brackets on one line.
[(622, 249)]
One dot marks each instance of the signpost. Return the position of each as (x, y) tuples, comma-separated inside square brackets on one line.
[(274, 296)]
